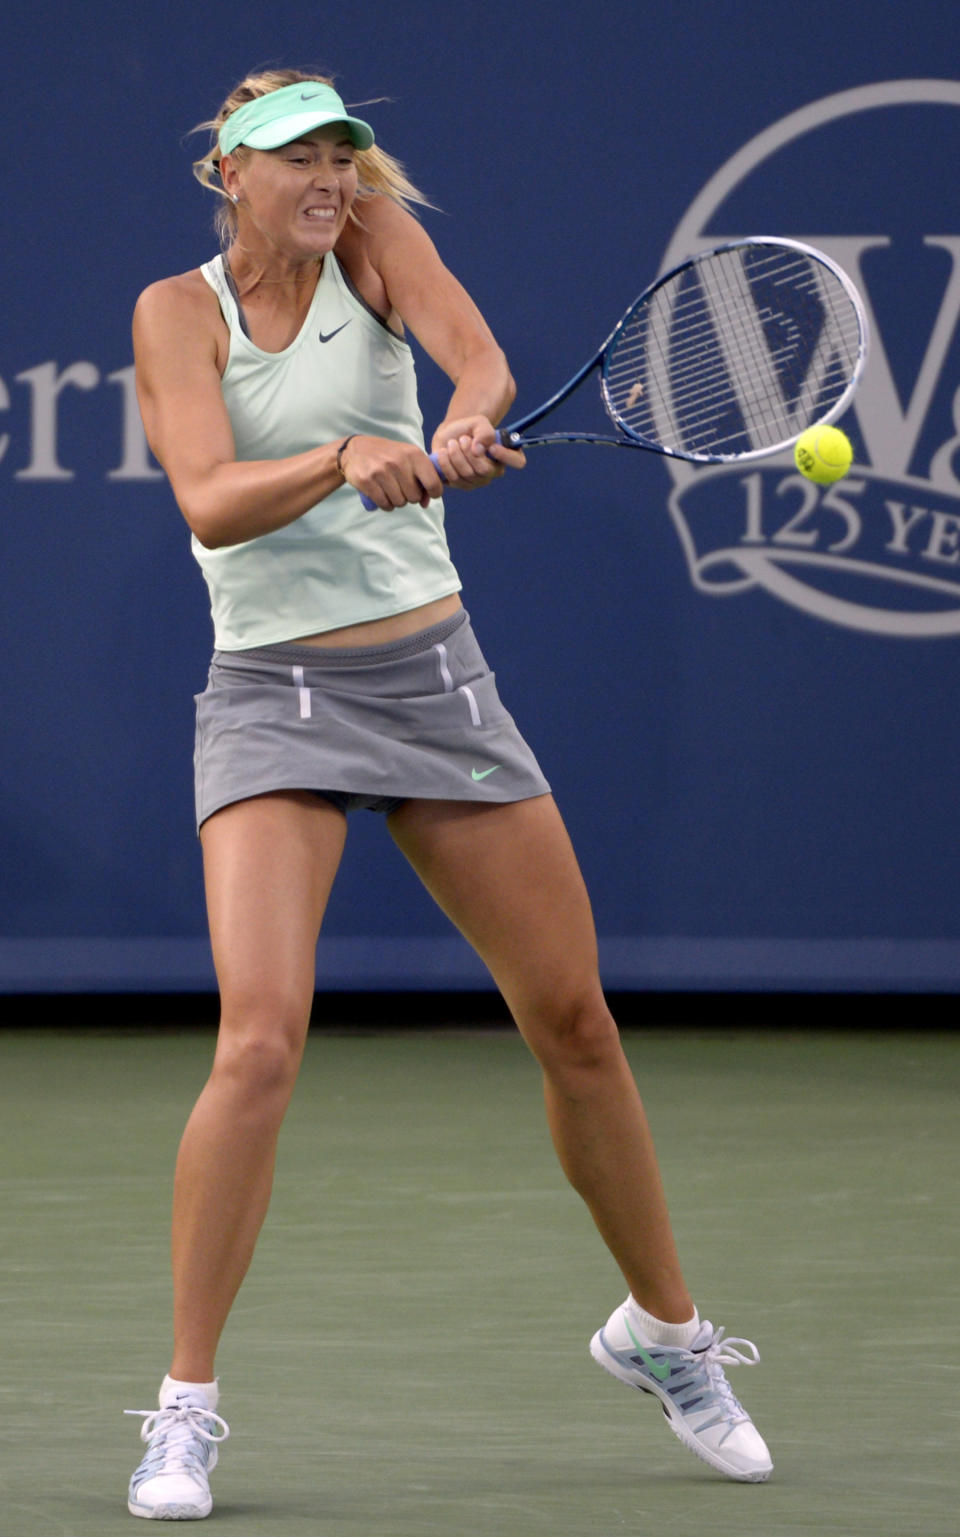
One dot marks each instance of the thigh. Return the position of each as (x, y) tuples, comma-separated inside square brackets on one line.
[(269, 865), (507, 876)]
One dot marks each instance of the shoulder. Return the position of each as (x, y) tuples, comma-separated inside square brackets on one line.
[(176, 309), (381, 229), (378, 248), (188, 294)]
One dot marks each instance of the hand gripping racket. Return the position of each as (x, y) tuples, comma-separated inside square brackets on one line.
[(731, 355)]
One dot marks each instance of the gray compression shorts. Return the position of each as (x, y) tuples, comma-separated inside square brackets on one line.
[(366, 727)]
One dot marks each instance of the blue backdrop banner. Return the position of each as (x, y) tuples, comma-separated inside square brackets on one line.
[(741, 685)]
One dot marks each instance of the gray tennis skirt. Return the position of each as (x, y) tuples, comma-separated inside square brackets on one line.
[(365, 727)]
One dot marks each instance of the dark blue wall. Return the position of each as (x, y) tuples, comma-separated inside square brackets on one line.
[(751, 726)]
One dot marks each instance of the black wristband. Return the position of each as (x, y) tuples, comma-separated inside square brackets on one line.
[(340, 454)]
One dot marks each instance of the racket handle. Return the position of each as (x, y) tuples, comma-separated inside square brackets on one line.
[(369, 505)]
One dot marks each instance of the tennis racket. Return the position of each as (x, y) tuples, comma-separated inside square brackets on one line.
[(731, 355)]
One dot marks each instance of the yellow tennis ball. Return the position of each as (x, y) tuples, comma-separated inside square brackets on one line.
[(823, 454)]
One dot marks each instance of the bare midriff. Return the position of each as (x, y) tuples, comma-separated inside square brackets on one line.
[(379, 632)]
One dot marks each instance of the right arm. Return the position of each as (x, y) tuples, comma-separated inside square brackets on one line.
[(225, 500)]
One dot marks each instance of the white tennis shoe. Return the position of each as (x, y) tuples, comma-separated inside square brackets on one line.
[(172, 1482), (693, 1390)]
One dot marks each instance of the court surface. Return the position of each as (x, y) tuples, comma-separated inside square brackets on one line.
[(409, 1355)]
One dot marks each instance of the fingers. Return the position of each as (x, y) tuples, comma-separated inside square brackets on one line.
[(510, 458), (468, 461), (390, 474), (465, 459)]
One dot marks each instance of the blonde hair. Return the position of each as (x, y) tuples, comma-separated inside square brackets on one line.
[(377, 171)]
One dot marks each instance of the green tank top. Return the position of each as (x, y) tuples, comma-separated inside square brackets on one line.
[(338, 564)]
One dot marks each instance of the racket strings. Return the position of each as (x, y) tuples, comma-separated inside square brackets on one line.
[(736, 353), (714, 364)]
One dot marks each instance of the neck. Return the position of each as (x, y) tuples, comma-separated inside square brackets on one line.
[(252, 273)]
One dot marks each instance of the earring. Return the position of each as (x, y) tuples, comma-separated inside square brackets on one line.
[(235, 196)]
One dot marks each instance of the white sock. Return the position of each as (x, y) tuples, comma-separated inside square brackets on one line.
[(659, 1333), (171, 1389)]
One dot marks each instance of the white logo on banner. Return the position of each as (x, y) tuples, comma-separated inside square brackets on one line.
[(46, 383), (880, 550)]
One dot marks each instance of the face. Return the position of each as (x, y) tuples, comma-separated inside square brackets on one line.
[(295, 199)]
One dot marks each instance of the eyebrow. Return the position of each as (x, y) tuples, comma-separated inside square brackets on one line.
[(345, 143)]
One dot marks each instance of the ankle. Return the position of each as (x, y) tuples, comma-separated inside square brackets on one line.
[(176, 1387), (678, 1333)]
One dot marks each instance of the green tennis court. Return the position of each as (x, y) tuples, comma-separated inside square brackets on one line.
[(409, 1354)]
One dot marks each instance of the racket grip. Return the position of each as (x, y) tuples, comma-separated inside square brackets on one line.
[(369, 505)]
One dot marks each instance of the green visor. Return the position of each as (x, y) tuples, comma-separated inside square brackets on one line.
[(284, 115)]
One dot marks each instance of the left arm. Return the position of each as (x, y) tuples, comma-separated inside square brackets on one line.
[(396, 258)]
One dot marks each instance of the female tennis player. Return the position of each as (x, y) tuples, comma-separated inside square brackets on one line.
[(276, 387)]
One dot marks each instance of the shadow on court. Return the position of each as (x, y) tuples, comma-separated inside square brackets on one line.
[(409, 1354)]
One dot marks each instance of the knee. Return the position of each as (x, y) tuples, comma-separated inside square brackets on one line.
[(576, 1040), (260, 1047)]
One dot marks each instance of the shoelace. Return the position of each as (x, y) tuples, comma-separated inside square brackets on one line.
[(722, 1352), (171, 1435)]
